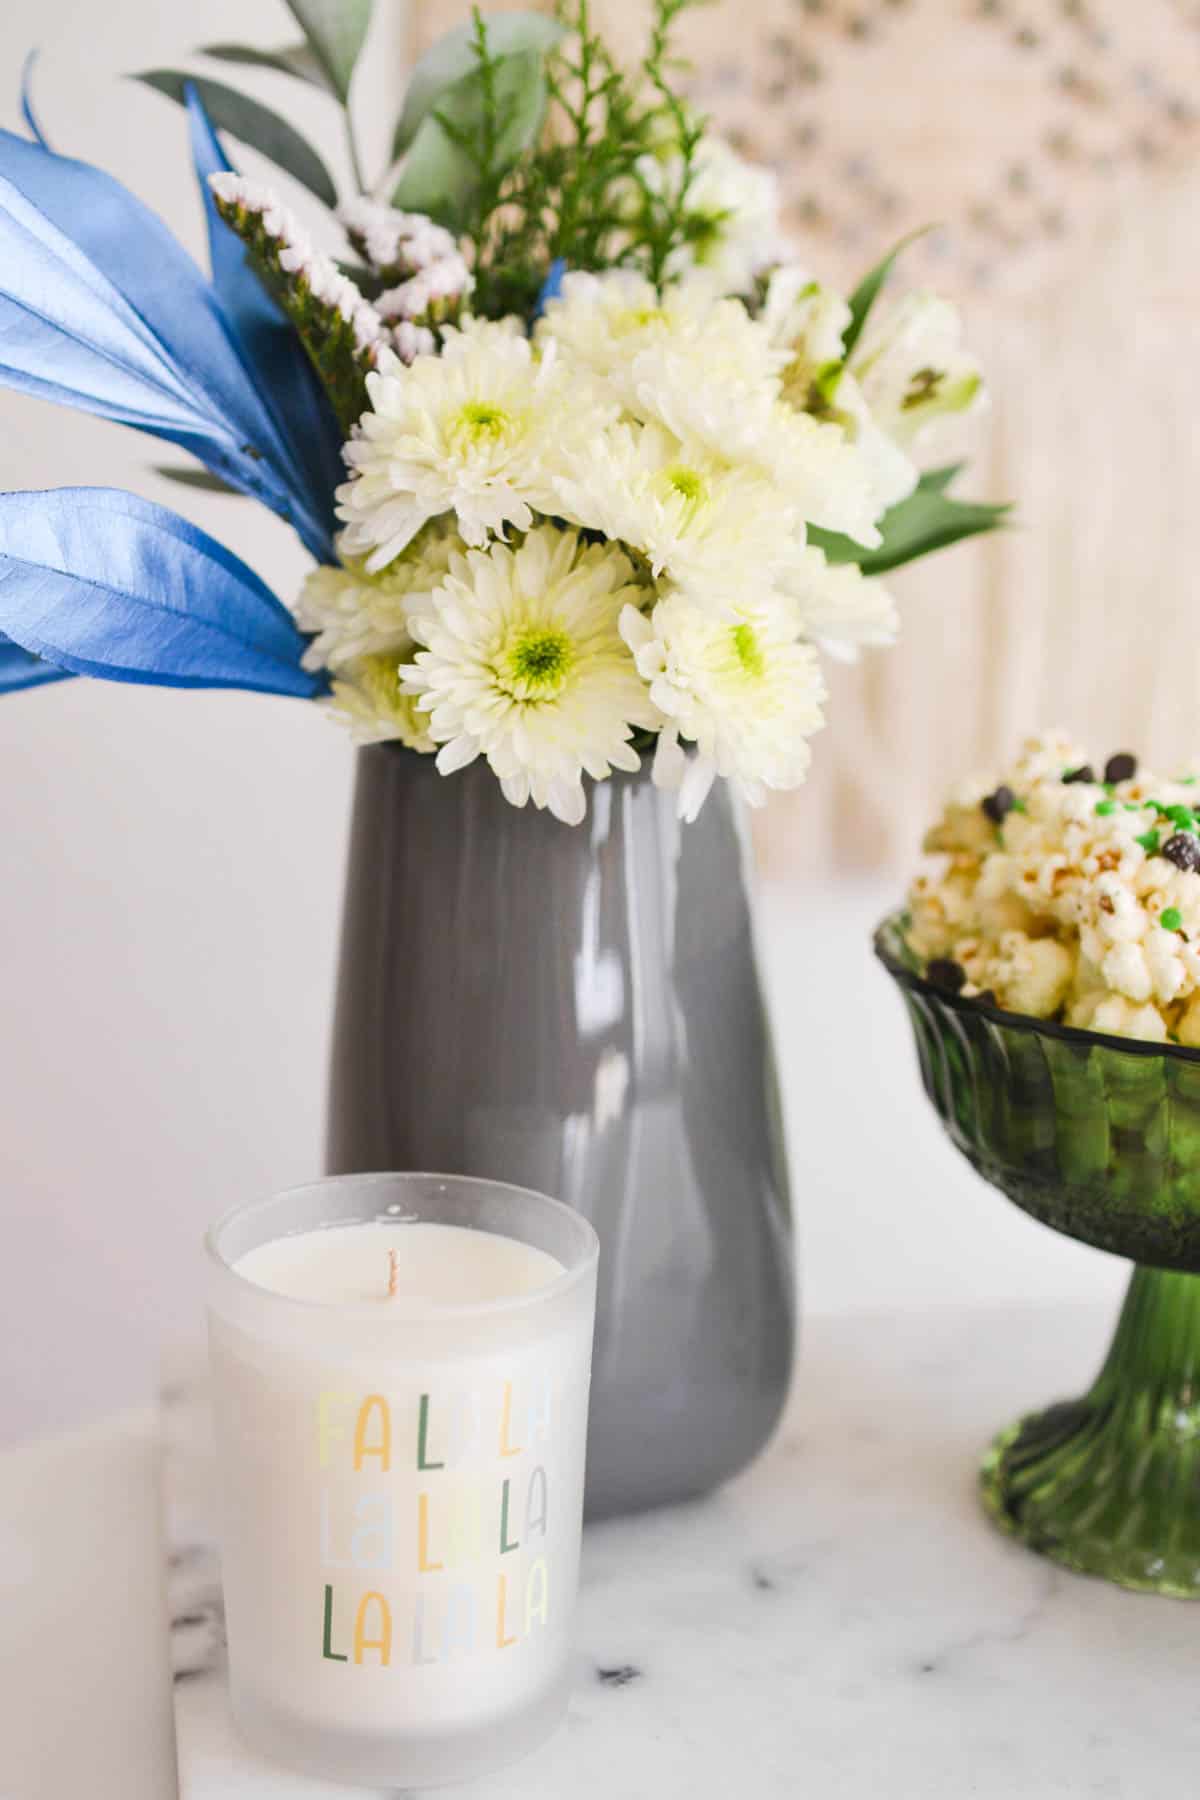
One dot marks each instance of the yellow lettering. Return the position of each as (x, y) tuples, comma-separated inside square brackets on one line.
[(383, 1642), (374, 1403), (502, 1642), (423, 1563)]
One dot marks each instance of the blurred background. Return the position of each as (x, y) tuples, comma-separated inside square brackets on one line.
[(173, 862)]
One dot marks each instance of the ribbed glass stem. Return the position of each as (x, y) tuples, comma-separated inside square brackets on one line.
[(1110, 1484)]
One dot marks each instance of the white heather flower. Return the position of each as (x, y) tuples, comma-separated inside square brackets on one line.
[(467, 432), (730, 213), (744, 690), (298, 256), (523, 663), (368, 698), (911, 367), (602, 323), (436, 286), (354, 613), (393, 240), (713, 529), (838, 608)]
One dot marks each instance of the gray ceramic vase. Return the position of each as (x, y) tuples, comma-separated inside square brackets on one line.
[(579, 1010)]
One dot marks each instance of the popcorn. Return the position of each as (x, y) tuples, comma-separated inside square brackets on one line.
[(1067, 895)]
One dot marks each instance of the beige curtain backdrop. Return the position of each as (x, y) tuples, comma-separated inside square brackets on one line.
[(1054, 144)]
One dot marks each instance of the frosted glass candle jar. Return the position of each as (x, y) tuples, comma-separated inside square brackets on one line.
[(401, 1473)]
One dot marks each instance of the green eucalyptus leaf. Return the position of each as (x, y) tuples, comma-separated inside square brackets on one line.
[(870, 287), (440, 177), (292, 59), (336, 31), (928, 520), (454, 57), (196, 478), (252, 123)]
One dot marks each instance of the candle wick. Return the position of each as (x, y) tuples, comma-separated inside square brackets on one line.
[(393, 1273)]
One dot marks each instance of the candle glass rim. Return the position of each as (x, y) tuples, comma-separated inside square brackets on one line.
[(404, 1309)]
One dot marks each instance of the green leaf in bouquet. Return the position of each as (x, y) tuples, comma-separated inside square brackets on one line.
[(292, 59), (335, 31), (455, 56), (871, 286), (444, 171), (196, 478), (252, 123), (928, 520)]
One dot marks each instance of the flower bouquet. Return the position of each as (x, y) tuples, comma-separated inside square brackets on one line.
[(589, 466), (592, 470)]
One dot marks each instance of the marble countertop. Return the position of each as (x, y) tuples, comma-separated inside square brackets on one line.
[(840, 1623)]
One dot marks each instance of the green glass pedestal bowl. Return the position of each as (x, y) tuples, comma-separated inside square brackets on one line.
[(1098, 1137)]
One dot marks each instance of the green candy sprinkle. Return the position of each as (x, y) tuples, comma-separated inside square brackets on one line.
[(1132, 805), (1149, 842), (1018, 804), (1104, 807), (1181, 816), (1172, 919)]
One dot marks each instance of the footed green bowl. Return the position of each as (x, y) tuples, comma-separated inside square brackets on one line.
[(1098, 1137)]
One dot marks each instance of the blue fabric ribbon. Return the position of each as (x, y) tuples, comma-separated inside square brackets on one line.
[(99, 582), (102, 309), (20, 670)]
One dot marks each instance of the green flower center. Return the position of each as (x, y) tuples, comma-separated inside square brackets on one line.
[(480, 422), (748, 650), (688, 482), (536, 663), (637, 318)]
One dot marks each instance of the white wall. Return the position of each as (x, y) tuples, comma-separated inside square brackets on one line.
[(169, 906)]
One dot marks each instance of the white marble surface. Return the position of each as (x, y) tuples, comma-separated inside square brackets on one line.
[(841, 1623)]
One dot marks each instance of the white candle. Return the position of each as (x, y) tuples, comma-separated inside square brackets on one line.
[(402, 1471)]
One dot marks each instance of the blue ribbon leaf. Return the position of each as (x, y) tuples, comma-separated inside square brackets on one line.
[(20, 670), (99, 582), (102, 309), (27, 110)]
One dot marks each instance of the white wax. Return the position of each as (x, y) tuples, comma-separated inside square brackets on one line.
[(447, 1265)]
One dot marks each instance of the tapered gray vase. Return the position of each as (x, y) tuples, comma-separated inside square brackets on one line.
[(578, 1009)]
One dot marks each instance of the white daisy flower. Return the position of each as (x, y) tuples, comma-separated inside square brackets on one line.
[(466, 432), (911, 367), (523, 663), (368, 698), (744, 690), (353, 612), (603, 322), (812, 463), (713, 529), (838, 608)]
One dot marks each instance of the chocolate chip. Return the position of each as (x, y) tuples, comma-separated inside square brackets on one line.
[(1084, 772), (987, 997), (944, 972), (1121, 767), (1183, 850), (997, 806)]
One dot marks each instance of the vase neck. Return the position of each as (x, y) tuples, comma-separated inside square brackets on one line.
[(1156, 1349)]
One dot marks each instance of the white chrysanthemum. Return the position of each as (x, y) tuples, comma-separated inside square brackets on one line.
[(368, 698), (713, 529), (745, 691), (467, 432), (354, 613), (838, 608), (730, 213), (812, 463), (911, 366), (602, 323), (523, 662)]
